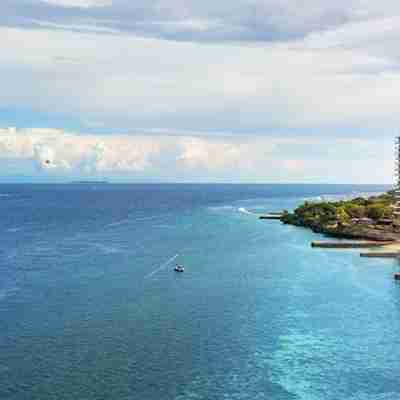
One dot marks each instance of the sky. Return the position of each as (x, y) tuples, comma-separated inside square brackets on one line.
[(199, 91)]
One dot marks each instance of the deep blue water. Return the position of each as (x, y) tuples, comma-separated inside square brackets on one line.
[(91, 309)]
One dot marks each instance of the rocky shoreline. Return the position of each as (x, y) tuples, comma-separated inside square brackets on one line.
[(373, 219)]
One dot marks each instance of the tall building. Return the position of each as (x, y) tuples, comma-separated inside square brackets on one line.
[(396, 187), (397, 169)]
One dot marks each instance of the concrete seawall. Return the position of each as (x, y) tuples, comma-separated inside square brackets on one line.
[(381, 254), (348, 245), (270, 216)]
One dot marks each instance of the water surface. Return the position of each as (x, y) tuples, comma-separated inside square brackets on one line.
[(91, 309)]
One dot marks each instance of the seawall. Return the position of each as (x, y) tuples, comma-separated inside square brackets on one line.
[(348, 245)]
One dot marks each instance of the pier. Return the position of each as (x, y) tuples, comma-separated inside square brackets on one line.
[(349, 244), (381, 254), (270, 216)]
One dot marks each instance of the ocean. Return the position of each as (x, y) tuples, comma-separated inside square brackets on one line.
[(90, 307)]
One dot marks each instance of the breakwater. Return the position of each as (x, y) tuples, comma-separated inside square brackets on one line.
[(348, 244), (381, 254), (271, 216)]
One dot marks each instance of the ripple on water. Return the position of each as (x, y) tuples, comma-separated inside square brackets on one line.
[(322, 365)]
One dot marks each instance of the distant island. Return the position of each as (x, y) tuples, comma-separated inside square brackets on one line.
[(375, 218), (90, 182)]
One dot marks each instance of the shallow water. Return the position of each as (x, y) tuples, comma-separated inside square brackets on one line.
[(91, 309)]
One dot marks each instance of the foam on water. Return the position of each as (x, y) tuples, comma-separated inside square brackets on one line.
[(8, 292), (13, 230), (118, 223), (245, 211), (221, 208), (338, 197), (107, 248)]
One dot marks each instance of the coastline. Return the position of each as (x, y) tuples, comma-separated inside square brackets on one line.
[(373, 218), (368, 222)]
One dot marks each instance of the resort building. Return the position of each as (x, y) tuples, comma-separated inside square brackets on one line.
[(397, 176)]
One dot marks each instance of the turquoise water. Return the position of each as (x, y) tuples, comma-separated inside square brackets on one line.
[(91, 309)]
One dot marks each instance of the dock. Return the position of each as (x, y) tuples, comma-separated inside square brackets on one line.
[(381, 254), (348, 244), (271, 216)]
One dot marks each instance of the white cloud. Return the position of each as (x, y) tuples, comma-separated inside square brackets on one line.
[(263, 68), (338, 77), (206, 20), (205, 153), (79, 3), (368, 36), (194, 158), (152, 83), (90, 154)]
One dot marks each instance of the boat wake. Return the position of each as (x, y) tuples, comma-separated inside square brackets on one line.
[(245, 211), (162, 266)]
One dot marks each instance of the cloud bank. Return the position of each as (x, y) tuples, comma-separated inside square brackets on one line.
[(193, 20), (49, 153), (129, 82), (253, 67), (79, 3)]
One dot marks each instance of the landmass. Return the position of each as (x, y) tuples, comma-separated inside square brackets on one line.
[(376, 218), (103, 182)]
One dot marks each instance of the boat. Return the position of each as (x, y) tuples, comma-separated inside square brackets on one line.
[(179, 268)]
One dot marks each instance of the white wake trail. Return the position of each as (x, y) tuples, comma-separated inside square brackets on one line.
[(245, 211), (162, 266)]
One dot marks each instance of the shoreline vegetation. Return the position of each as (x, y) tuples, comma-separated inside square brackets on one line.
[(376, 218)]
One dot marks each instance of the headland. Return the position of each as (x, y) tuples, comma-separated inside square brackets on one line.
[(376, 218)]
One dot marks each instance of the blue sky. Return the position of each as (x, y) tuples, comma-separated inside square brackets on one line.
[(244, 91)]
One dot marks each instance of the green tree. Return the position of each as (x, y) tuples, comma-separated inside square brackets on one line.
[(377, 211), (342, 216), (355, 210)]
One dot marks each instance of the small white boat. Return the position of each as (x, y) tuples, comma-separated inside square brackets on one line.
[(179, 268)]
